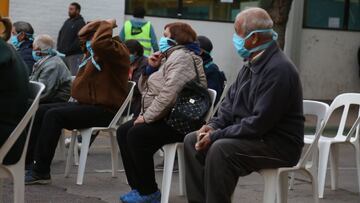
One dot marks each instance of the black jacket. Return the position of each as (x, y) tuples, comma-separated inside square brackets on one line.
[(265, 103), (14, 94), (25, 51), (68, 40)]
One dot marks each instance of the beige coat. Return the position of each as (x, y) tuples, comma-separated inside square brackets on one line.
[(159, 90)]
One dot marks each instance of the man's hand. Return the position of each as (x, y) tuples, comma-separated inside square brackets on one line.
[(203, 142), (139, 120), (205, 129), (155, 59)]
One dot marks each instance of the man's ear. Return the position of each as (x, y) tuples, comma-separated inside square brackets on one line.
[(254, 38)]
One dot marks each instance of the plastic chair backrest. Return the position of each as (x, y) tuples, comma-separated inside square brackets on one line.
[(36, 89), (226, 88), (126, 103), (213, 98), (320, 110), (345, 100)]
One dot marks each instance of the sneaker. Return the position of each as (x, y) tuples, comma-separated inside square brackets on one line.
[(152, 198), (129, 195), (33, 178)]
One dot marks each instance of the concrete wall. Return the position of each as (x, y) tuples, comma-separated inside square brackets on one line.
[(328, 63), (48, 16)]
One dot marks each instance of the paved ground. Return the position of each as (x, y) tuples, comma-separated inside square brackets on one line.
[(101, 187)]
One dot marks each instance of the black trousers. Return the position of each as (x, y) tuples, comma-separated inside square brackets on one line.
[(50, 119), (212, 176), (137, 146)]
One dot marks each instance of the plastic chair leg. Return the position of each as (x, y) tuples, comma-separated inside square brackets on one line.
[(60, 149), (334, 160), (18, 174), (270, 179), (314, 183), (76, 150), (292, 181), (70, 155), (282, 187), (169, 158), (357, 156), (114, 153), (324, 150), (181, 163), (86, 136)]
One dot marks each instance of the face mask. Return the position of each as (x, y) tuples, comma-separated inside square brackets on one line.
[(132, 58), (91, 57), (15, 41), (164, 44), (35, 55), (239, 43)]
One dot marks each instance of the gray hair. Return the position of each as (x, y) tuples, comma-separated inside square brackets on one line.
[(21, 26), (44, 42), (254, 19)]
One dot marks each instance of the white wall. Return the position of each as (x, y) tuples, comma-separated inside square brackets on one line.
[(328, 63), (48, 16), (219, 33)]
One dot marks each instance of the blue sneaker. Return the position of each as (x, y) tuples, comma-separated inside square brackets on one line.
[(152, 198), (128, 195)]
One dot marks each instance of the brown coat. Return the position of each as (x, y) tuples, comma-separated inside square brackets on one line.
[(107, 87)]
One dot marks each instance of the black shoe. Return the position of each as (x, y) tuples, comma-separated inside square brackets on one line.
[(33, 178)]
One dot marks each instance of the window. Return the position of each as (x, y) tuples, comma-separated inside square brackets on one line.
[(213, 10), (332, 14)]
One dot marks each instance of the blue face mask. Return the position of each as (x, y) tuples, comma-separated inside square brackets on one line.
[(132, 58), (164, 44), (35, 55), (15, 41), (239, 43), (91, 57)]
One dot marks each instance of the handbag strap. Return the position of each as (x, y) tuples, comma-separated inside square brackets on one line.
[(196, 70)]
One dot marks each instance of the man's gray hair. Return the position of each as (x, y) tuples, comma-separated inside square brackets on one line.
[(21, 26), (44, 42), (254, 19)]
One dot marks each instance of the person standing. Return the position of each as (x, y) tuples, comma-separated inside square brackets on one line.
[(140, 29), (68, 41), (22, 39)]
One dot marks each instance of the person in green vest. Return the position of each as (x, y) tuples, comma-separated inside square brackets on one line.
[(141, 30)]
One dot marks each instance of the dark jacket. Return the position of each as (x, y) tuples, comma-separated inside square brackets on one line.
[(265, 103), (14, 94), (139, 67), (25, 51), (68, 41), (109, 86), (215, 78)]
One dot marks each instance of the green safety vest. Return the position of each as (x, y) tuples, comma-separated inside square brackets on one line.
[(140, 34)]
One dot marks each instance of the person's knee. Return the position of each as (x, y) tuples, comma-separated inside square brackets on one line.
[(190, 140), (216, 151)]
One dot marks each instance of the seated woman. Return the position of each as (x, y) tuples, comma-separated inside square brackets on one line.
[(22, 39), (50, 70), (138, 63), (159, 84), (14, 92), (100, 88), (215, 78)]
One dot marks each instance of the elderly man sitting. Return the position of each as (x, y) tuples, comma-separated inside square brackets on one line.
[(50, 70), (259, 125)]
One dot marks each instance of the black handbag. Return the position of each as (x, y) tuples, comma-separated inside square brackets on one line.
[(191, 107)]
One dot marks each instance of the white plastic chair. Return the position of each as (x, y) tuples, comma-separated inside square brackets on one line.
[(17, 170), (169, 158), (276, 180), (330, 145), (86, 136), (221, 99)]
